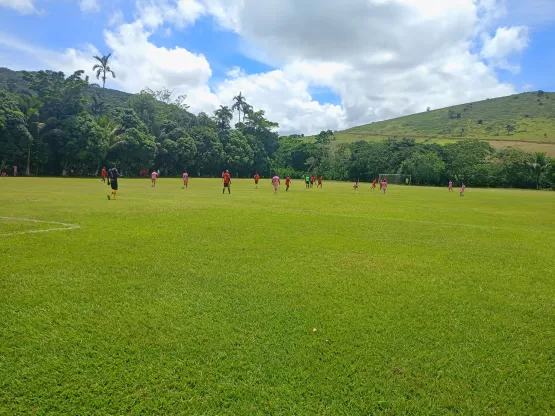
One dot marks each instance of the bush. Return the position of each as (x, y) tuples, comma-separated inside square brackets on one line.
[(480, 121)]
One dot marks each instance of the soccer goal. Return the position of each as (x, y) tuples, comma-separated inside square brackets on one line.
[(396, 178)]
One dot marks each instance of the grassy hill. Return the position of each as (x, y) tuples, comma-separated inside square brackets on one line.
[(531, 117)]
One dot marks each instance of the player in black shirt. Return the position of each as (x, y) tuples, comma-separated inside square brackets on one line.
[(113, 175)]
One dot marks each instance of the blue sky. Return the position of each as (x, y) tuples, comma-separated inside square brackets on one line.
[(383, 59)]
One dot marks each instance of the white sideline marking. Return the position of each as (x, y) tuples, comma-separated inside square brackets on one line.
[(66, 227)]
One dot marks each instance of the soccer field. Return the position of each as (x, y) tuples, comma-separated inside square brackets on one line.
[(322, 301)]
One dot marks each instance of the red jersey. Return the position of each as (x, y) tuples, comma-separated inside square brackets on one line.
[(256, 177), (227, 177), (103, 173), (287, 181), (320, 179), (374, 181)]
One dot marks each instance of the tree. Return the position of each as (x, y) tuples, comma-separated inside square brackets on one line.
[(30, 106), (97, 107), (223, 117), (61, 97), (538, 165), (165, 96), (240, 105), (102, 68), (85, 143), (510, 129), (14, 136), (186, 150), (210, 151), (256, 125), (425, 168), (239, 153), (135, 147)]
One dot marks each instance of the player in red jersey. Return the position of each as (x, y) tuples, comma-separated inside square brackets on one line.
[(256, 179), (227, 182)]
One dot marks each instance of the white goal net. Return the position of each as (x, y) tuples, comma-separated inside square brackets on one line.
[(396, 178)]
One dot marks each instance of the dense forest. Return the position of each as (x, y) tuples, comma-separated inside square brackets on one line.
[(51, 124)]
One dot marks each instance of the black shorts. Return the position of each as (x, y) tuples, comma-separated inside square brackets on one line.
[(256, 182), (114, 185), (226, 185)]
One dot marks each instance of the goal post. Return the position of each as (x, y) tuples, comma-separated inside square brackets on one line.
[(396, 178)]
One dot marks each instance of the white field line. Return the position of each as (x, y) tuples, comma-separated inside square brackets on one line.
[(65, 227)]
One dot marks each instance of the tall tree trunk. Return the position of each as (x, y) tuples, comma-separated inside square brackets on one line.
[(28, 169)]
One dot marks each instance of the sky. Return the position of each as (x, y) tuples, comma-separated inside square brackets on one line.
[(311, 65)]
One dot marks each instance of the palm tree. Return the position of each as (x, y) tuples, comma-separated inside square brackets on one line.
[(97, 106), (103, 68), (29, 106), (240, 104), (223, 116), (539, 164)]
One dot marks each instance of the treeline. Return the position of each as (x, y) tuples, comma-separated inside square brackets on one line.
[(473, 162), (61, 126)]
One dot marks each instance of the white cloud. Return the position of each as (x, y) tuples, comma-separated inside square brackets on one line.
[(180, 13), (284, 100), (116, 19), (384, 58), (507, 40), (138, 62), (236, 72), (22, 6), (89, 5)]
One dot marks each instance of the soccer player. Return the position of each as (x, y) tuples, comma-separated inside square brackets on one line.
[(307, 181), (185, 179), (14, 170), (4, 174), (103, 175), (384, 187), (256, 179), (276, 182), (320, 179), (153, 177), (355, 186), (463, 187), (450, 186), (113, 176), (287, 183), (312, 180), (227, 182), (374, 182)]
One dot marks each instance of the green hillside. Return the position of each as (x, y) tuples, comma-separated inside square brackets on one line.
[(13, 81), (528, 117)]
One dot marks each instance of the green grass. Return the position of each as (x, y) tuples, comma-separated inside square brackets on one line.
[(532, 117), (171, 301)]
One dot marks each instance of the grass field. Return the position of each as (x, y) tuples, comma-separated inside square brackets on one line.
[(329, 302)]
